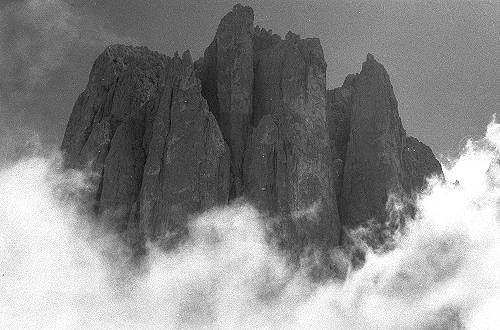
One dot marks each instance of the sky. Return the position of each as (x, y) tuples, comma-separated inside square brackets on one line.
[(442, 56)]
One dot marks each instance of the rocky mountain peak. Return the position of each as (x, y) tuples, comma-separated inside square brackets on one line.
[(186, 58), (238, 20), (251, 119), (371, 67), (292, 36)]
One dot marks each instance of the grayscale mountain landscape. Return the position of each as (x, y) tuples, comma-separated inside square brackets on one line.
[(234, 189)]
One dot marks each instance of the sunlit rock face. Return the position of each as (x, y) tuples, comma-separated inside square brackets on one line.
[(252, 118)]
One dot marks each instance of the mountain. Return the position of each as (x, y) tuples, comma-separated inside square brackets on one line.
[(169, 137)]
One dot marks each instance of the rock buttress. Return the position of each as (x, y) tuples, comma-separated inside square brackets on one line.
[(143, 127), (380, 160), (288, 160), (227, 78), (269, 97)]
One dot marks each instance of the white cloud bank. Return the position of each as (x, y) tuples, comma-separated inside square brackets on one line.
[(443, 274)]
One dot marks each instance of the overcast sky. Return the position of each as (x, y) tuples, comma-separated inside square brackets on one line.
[(442, 56)]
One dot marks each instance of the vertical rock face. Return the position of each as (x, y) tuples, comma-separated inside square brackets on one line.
[(339, 110), (146, 131), (373, 166), (227, 74), (339, 105), (379, 158), (269, 97), (288, 162), (167, 137), (187, 169)]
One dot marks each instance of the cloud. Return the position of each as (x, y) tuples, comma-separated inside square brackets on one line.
[(37, 37), (58, 269), (56, 275)]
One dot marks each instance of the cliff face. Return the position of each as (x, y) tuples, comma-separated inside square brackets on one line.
[(252, 118), (228, 72), (290, 141), (379, 158), (146, 131), (373, 160), (269, 97)]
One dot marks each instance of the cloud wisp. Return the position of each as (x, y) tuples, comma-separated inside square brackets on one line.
[(38, 37), (55, 269)]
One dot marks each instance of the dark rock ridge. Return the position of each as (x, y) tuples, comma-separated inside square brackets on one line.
[(168, 137)]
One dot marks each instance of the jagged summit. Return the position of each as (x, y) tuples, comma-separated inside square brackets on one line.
[(292, 36), (186, 57), (241, 11), (240, 17), (372, 67), (252, 118)]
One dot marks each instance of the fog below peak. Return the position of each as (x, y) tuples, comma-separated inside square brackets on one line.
[(59, 270)]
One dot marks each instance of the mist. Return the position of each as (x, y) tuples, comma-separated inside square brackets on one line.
[(60, 269)]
